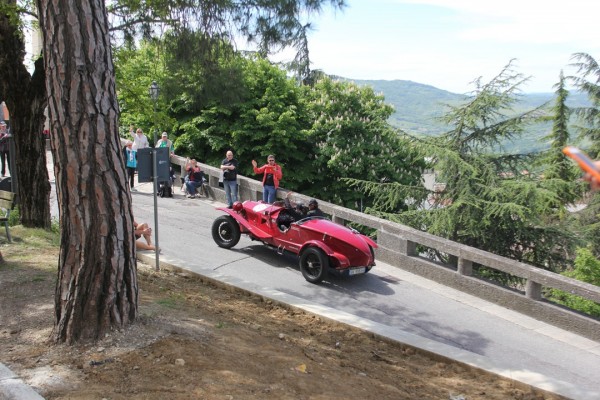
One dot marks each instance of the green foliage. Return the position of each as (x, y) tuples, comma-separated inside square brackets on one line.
[(555, 165), (588, 223), (135, 71), (488, 201), (269, 25), (38, 238), (320, 135), (588, 82), (354, 141), (17, 13), (14, 218), (269, 118), (202, 70), (55, 226), (587, 269)]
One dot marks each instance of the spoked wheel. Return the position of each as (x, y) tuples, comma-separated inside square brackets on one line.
[(314, 264), (226, 232)]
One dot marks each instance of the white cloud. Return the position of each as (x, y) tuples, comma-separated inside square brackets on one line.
[(534, 21)]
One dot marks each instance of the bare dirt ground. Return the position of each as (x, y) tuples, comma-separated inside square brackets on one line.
[(195, 340)]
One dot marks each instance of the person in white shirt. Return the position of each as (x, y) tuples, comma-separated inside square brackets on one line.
[(165, 142), (140, 141), (4, 150)]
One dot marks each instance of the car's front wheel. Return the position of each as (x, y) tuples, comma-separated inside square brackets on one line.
[(226, 231), (314, 264)]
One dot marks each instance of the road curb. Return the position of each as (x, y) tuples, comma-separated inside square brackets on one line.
[(13, 388)]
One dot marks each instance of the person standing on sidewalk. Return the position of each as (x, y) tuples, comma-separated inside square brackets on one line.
[(130, 157), (140, 141), (165, 142), (229, 167), (271, 176), (4, 155)]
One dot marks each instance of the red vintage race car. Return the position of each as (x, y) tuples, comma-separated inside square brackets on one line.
[(322, 245)]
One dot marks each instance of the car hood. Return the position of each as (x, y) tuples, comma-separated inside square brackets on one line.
[(340, 232)]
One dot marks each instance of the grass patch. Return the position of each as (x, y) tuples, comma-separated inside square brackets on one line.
[(173, 301), (35, 238), (31, 248), (39, 278)]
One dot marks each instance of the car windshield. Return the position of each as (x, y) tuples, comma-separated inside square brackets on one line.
[(303, 220)]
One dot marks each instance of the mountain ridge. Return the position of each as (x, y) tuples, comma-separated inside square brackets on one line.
[(419, 106)]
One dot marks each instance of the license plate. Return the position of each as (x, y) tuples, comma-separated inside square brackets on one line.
[(357, 271)]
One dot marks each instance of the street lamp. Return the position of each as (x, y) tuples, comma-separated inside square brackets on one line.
[(154, 91)]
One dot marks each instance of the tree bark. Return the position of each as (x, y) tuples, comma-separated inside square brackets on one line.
[(97, 283), (25, 97)]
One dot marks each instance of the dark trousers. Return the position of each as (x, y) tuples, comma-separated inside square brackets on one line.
[(131, 175), (5, 159)]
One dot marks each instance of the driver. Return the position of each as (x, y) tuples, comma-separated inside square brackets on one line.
[(290, 213)]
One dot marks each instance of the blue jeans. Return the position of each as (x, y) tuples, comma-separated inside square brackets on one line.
[(269, 193), (230, 192), (191, 187)]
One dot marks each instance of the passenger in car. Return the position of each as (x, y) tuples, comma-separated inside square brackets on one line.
[(314, 210)]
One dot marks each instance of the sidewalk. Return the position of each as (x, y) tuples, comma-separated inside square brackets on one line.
[(13, 388)]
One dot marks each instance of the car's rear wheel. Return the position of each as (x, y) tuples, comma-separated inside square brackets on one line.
[(226, 231), (314, 264)]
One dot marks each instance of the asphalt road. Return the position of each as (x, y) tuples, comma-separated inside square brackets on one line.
[(387, 300)]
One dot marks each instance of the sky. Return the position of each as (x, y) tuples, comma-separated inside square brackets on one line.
[(450, 43)]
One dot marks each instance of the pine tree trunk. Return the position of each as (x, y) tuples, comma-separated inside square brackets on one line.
[(97, 284), (27, 123), (25, 97)]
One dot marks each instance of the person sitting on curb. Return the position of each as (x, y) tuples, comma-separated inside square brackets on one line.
[(195, 178), (145, 231)]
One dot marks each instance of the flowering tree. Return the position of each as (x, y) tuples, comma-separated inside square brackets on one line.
[(354, 140)]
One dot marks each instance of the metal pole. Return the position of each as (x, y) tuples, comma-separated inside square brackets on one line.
[(155, 183)]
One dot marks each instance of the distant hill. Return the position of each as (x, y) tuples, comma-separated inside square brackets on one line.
[(418, 107)]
